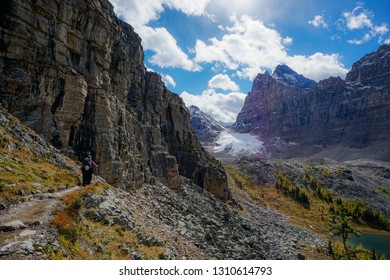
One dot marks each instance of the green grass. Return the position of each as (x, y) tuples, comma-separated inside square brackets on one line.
[(23, 172)]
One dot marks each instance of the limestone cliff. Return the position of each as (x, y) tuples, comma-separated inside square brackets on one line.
[(341, 119), (73, 72)]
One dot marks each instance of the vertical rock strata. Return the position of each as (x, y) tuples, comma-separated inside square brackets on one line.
[(74, 72)]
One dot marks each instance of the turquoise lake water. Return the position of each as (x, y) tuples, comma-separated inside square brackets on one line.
[(381, 243)]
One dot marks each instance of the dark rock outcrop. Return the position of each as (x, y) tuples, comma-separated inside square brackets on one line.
[(343, 120), (74, 73)]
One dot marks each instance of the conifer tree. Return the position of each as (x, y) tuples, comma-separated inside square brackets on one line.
[(340, 224)]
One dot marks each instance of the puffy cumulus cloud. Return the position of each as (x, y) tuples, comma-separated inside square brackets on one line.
[(168, 80), (138, 12), (222, 107), (250, 47), (318, 21), (166, 51), (142, 12), (246, 44), (223, 81), (317, 66), (196, 8)]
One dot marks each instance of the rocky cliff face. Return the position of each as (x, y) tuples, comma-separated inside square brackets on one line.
[(205, 127), (74, 73), (336, 118)]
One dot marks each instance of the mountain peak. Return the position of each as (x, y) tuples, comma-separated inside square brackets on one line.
[(288, 76), (194, 109), (206, 127)]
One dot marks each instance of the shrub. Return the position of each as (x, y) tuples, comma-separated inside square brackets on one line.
[(77, 204)]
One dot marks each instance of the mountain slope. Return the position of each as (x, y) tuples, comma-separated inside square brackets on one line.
[(343, 120), (56, 219), (206, 128), (74, 73), (223, 142)]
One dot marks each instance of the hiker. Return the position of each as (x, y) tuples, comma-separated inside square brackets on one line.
[(88, 168)]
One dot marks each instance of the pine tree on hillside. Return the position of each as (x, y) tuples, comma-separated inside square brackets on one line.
[(340, 224)]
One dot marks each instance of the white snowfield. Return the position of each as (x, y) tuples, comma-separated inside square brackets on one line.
[(237, 144)]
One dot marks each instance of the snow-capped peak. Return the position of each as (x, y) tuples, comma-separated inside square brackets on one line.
[(287, 76)]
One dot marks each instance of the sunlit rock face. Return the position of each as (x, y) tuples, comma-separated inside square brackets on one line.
[(340, 119), (73, 72)]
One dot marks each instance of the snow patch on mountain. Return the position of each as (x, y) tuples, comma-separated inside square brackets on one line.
[(237, 143), (287, 76)]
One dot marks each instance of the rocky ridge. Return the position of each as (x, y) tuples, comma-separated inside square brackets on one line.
[(206, 128), (287, 76), (74, 73), (339, 119), (151, 221)]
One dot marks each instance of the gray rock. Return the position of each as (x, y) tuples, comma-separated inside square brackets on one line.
[(27, 233), (13, 225), (93, 201), (339, 119), (19, 247), (150, 120), (37, 223)]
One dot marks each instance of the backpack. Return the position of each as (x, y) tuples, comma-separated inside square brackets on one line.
[(87, 164)]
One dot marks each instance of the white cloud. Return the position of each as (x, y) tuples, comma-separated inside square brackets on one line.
[(318, 21), (223, 81), (168, 80), (247, 43), (375, 31), (222, 107), (166, 51), (362, 19), (142, 12), (287, 41), (382, 29), (317, 66), (138, 12), (250, 47), (367, 37), (356, 20), (196, 8)]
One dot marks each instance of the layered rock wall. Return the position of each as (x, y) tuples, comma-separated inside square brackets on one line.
[(74, 72), (352, 113)]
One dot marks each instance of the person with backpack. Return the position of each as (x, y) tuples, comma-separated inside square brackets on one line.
[(88, 168)]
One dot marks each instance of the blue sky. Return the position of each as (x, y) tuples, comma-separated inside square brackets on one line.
[(209, 51)]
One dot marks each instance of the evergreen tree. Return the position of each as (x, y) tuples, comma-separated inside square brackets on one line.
[(330, 249), (340, 225)]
